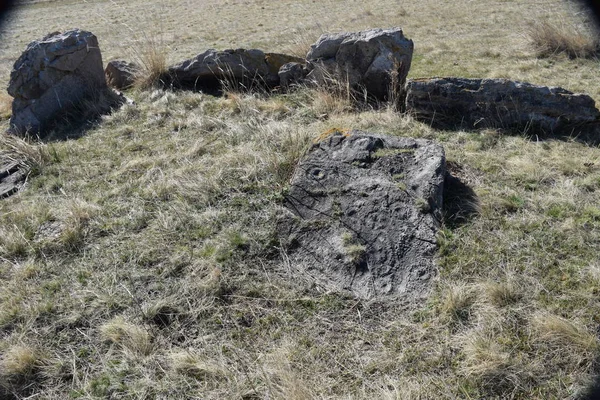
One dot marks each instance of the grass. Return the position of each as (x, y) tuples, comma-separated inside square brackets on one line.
[(142, 260), (27, 154), (552, 39)]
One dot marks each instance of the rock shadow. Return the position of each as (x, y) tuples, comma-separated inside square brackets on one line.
[(80, 120), (592, 392), (592, 389), (461, 203)]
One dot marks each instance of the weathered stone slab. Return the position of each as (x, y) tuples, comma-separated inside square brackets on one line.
[(377, 60), (497, 103), (363, 211), (241, 67), (51, 79), (12, 176)]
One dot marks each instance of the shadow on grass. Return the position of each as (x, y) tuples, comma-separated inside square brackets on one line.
[(461, 203), (592, 392), (80, 119), (586, 133)]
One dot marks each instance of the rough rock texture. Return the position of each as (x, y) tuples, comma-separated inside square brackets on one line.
[(241, 67), (12, 176), (292, 73), (363, 211), (497, 103), (52, 77), (377, 59), (276, 61), (121, 74)]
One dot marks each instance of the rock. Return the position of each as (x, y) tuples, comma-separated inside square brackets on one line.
[(377, 60), (497, 103), (121, 74), (276, 61), (239, 68), (52, 77), (363, 211), (12, 177), (292, 74)]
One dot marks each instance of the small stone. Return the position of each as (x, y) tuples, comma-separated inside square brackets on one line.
[(121, 74), (292, 74)]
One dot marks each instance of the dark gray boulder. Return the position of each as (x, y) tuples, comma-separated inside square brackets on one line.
[(240, 68), (497, 103), (363, 211), (377, 60), (121, 74), (52, 78)]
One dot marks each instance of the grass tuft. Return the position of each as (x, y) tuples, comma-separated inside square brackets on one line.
[(152, 57), (32, 156), (502, 294), (550, 39), (457, 303), (5, 105), (192, 364), (127, 336), (563, 334), (302, 39), (19, 362)]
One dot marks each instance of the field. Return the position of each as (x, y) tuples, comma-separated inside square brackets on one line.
[(141, 260)]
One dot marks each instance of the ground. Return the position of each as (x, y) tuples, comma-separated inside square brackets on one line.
[(142, 261)]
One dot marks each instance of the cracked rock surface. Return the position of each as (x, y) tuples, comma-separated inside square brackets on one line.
[(52, 78), (362, 214), (12, 177), (498, 103), (377, 60)]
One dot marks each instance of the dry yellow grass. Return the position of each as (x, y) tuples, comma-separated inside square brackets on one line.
[(142, 260), (19, 362), (552, 39), (5, 105)]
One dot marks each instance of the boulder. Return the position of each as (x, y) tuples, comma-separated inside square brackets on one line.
[(52, 78), (362, 214), (497, 103), (121, 74), (377, 60), (240, 68)]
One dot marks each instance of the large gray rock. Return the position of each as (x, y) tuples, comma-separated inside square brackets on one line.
[(239, 68), (51, 79), (497, 103), (377, 60), (363, 211)]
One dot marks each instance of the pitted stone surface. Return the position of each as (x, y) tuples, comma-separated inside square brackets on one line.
[(497, 103), (363, 211)]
